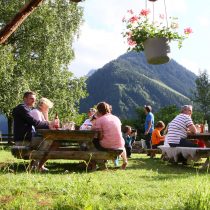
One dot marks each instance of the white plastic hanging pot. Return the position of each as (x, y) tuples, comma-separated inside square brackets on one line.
[(157, 50), (76, 1)]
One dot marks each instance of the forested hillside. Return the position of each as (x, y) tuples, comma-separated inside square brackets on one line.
[(129, 82)]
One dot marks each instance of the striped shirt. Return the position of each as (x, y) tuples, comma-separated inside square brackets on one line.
[(178, 128)]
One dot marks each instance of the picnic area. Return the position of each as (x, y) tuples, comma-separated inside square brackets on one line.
[(131, 135), (146, 184)]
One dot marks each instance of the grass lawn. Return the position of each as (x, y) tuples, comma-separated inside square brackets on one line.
[(145, 184)]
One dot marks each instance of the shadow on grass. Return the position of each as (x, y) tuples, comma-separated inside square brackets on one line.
[(54, 167), (139, 162), (164, 167)]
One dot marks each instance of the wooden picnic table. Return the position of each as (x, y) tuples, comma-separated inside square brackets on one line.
[(204, 136), (201, 136), (64, 144)]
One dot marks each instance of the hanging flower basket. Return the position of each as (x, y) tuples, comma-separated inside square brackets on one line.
[(76, 1), (157, 50), (140, 30)]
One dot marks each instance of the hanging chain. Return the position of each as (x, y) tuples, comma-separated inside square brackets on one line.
[(166, 14), (153, 9)]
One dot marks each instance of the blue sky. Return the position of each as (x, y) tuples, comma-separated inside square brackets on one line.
[(101, 40)]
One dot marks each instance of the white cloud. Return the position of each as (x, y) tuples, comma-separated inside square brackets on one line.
[(194, 66), (189, 64), (178, 6), (101, 40), (95, 48), (204, 21)]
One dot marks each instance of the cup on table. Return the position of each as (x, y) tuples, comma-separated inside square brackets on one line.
[(71, 126), (68, 126), (198, 128), (65, 126)]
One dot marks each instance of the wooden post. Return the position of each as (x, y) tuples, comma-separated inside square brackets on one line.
[(6, 32)]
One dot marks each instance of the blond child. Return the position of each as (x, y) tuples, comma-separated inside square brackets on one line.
[(157, 139)]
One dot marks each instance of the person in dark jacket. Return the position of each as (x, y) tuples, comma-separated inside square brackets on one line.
[(23, 121)]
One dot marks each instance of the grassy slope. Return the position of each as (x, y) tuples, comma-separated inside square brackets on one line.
[(146, 184)]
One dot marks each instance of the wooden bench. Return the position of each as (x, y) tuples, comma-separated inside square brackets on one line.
[(6, 140), (70, 146), (172, 154), (153, 152)]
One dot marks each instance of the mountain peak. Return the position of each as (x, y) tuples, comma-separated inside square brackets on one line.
[(129, 82)]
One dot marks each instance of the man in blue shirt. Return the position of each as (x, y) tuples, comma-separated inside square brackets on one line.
[(149, 125)]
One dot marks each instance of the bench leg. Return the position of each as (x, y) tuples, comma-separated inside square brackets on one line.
[(152, 154), (102, 164), (92, 165), (206, 164)]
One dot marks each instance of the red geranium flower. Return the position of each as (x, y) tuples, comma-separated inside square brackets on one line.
[(134, 19), (145, 12), (188, 30)]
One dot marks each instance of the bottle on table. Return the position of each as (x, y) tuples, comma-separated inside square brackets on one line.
[(56, 121), (206, 127), (202, 128)]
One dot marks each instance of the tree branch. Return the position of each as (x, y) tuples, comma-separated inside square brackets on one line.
[(11, 27)]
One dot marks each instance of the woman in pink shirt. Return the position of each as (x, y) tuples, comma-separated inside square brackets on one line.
[(110, 130)]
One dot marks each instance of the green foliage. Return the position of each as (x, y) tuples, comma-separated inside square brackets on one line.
[(39, 53), (167, 114), (137, 123), (197, 117), (129, 82), (10, 87), (79, 118), (201, 95)]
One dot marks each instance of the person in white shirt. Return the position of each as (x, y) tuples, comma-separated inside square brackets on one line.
[(41, 113), (87, 123)]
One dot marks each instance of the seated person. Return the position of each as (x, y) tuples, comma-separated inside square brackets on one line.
[(41, 113), (87, 123), (129, 135), (179, 127), (23, 121), (157, 139), (87, 126), (110, 130), (42, 109)]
